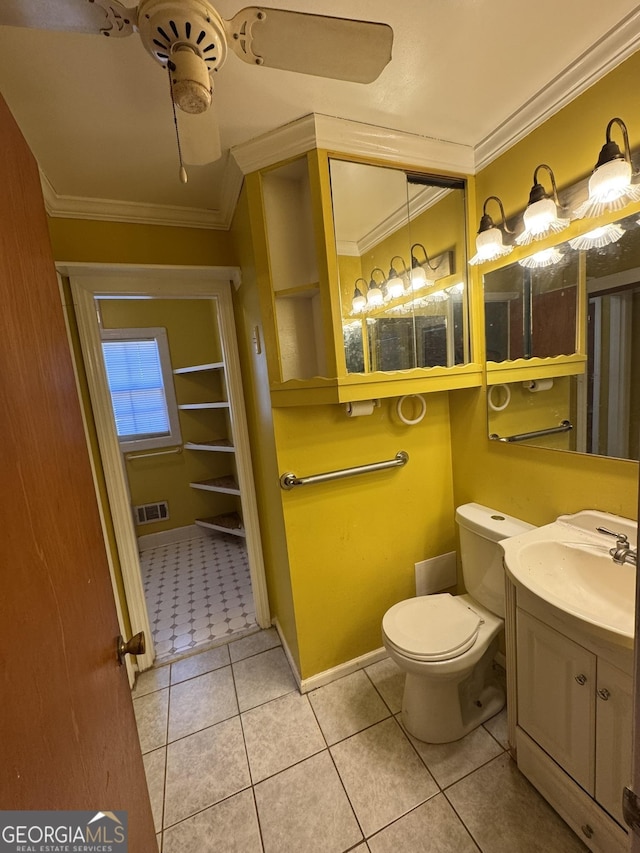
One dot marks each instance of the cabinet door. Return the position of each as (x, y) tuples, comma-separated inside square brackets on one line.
[(613, 737), (556, 697)]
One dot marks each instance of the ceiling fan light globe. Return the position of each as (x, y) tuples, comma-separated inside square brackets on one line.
[(190, 81), (192, 97)]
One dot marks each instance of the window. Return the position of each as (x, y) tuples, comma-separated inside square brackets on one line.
[(141, 387)]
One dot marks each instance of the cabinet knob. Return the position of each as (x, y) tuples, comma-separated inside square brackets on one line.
[(588, 831), (603, 693), (581, 679)]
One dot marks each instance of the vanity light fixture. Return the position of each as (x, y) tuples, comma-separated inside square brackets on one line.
[(599, 237), (395, 283), (489, 245), (544, 258), (419, 277), (610, 186), (541, 215), (375, 295), (359, 301)]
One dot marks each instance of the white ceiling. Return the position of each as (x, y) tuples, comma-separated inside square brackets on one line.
[(97, 113)]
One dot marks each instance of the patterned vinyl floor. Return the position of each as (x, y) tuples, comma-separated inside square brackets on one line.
[(197, 592)]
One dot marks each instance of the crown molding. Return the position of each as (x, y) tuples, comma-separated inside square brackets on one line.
[(612, 49), (418, 204), (104, 209), (351, 137)]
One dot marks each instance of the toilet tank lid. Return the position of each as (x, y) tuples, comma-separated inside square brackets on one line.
[(490, 523)]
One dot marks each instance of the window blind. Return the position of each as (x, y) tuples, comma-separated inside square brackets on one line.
[(137, 391)]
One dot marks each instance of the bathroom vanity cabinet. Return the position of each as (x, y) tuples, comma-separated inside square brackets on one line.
[(570, 704)]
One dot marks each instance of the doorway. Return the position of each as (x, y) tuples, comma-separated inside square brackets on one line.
[(184, 513)]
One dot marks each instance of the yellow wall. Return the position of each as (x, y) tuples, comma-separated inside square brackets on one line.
[(85, 240), (537, 484), (250, 326), (353, 542)]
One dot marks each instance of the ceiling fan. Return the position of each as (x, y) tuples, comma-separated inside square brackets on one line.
[(191, 40)]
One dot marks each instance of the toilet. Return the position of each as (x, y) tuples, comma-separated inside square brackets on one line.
[(446, 643)]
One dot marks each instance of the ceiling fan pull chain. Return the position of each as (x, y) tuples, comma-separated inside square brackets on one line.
[(183, 172)]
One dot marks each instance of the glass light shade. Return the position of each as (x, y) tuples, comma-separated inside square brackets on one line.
[(540, 220), (359, 303), (418, 278), (489, 246), (545, 258), (610, 181), (374, 296), (395, 287), (599, 237), (610, 188)]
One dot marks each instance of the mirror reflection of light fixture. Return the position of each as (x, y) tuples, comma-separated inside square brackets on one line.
[(375, 295), (419, 277), (437, 296), (359, 301), (599, 237), (455, 289), (541, 215), (610, 185), (395, 283), (489, 245), (544, 258)]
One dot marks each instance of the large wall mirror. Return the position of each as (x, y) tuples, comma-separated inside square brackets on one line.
[(594, 412), (401, 247)]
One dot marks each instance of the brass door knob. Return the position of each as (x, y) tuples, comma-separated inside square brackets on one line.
[(135, 646)]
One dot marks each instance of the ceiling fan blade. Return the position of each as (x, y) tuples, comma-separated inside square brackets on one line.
[(340, 48), (107, 17), (199, 137)]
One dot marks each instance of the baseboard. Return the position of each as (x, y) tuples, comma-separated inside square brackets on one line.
[(307, 684), (287, 652), (341, 670), (176, 534)]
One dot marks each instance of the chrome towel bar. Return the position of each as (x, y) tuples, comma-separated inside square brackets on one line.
[(565, 426), (288, 481)]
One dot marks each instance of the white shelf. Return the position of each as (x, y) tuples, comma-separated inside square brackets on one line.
[(226, 485), (193, 406), (199, 368), (228, 523), (218, 445)]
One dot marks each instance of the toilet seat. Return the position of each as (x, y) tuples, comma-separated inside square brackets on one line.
[(431, 627)]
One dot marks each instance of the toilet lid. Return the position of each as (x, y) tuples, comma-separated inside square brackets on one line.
[(431, 627)]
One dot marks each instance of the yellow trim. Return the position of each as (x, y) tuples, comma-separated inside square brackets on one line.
[(535, 368)]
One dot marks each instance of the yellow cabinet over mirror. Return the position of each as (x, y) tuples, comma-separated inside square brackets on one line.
[(363, 280)]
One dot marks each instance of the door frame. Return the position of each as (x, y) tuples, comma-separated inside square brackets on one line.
[(89, 282)]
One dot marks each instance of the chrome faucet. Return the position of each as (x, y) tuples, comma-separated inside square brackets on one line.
[(623, 552)]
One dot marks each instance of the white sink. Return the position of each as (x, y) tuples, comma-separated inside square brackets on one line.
[(567, 565)]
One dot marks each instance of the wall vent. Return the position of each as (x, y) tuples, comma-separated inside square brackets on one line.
[(147, 513)]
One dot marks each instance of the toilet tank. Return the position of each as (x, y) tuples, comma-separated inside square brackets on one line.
[(481, 529)]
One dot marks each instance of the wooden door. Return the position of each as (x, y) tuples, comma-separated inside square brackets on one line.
[(68, 738)]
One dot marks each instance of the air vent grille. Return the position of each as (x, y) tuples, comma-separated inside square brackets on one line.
[(148, 513)]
